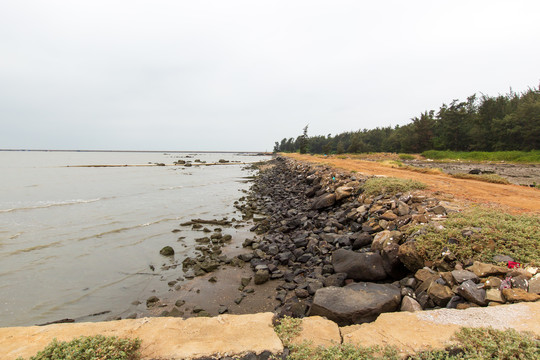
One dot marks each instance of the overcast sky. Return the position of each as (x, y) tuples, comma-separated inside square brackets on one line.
[(240, 75)]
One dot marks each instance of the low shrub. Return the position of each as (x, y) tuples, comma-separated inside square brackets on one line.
[(97, 347), (390, 185), (469, 344), (490, 233), (406, 157)]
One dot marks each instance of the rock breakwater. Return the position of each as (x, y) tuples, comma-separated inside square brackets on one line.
[(350, 256)]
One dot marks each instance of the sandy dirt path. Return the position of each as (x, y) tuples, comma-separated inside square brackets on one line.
[(513, 198)]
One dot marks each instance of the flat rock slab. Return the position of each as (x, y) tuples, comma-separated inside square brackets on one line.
[(318, 331), (418, 331), (163, 338)]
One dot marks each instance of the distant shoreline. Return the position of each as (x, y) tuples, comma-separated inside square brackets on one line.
[(146, 151)]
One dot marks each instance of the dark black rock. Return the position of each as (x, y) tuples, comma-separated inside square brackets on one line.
[(359, 266)]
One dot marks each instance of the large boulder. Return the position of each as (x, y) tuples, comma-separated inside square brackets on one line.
[(410, 257), (323, 201), (359, 266), (385, 238), (391, 263), (355, 303), (343, 192)]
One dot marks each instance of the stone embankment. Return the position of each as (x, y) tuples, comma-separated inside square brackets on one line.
[(349, 257), (253, 337)]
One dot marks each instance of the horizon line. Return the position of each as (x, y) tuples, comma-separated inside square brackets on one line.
[(144, 151)]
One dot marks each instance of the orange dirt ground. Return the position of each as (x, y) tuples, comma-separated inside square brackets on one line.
[(511, 198)]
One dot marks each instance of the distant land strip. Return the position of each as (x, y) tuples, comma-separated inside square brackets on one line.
[(148, 151)]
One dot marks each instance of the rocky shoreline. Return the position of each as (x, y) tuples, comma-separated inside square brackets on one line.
[(324, 247), (349, 257)]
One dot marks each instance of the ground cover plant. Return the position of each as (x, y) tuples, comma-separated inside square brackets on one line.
[(479, 233), (506, 156), (468, 344), (97, 347), (491, 178), (390, 185)]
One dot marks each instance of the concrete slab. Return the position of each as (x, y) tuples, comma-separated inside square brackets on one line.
[(170, 338)]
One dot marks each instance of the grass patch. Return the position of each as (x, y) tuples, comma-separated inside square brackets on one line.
[(470, 343), (390, 185), (487, 343), (91, 348), (507, 156), (493, 233), (406, 157), (491, 178)]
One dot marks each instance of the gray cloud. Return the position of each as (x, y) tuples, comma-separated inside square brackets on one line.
[(239, 75)]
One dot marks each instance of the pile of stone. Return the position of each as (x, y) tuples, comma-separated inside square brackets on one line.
[(347, 256)]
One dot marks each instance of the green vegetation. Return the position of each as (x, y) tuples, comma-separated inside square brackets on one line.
[(507, 156), (470, 344), (90, 348), (391, 185), (406, 157), (503, 123), (487, 343), (491, 178), (480, 233)]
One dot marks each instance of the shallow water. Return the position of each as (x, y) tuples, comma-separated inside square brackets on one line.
[(76, 241)]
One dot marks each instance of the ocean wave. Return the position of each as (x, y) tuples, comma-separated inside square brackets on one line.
[(126, 228), (49, 204), (33, 248), (172, 187)]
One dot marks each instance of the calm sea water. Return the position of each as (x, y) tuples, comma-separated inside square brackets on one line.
[(76, 241)]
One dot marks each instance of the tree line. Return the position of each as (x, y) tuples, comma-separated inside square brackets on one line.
[(480, 123)]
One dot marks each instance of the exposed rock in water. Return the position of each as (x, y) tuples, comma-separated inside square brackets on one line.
[(167, 251)]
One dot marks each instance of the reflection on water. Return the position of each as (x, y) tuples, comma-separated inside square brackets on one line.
[(76, 241)]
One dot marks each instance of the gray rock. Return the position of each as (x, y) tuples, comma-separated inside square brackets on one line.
[(440, 294), (343, 192), (261, 276), (151, 301), (361, 240), (356, 303), (337, 280), (359, 266), (520, 282), (403, 209), (470, 291), (391, 263), (175, 312), (313, 286), (301, 293), (534, 285), (385, 238), (438, 210), (323, 201), (464, 275), (503, 258), (409, 256), (410, 304), (167, 251)]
